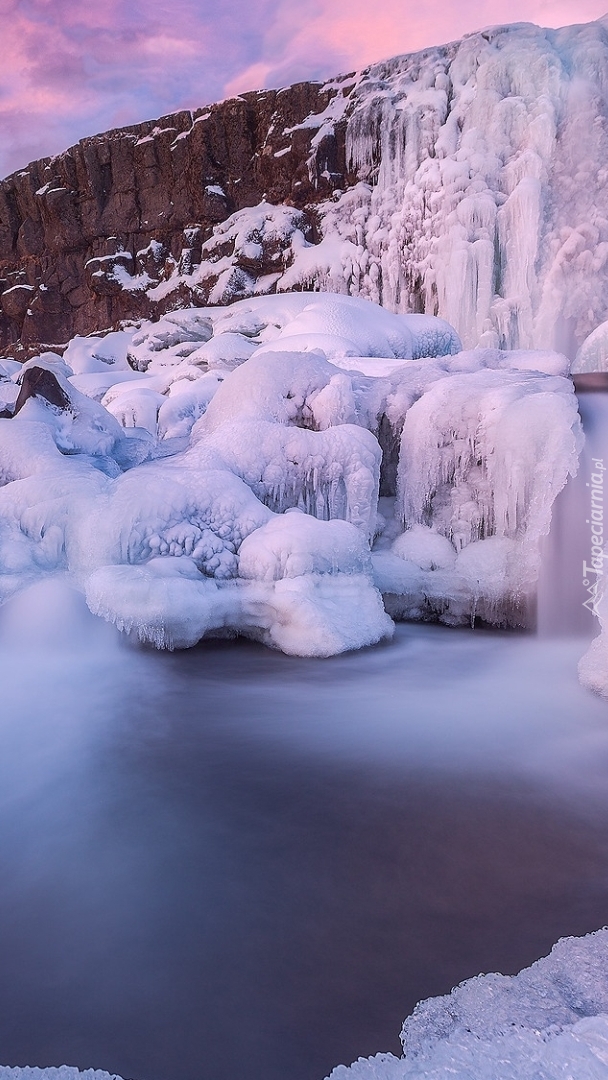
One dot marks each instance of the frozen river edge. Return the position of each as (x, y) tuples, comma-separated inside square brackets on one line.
[(549, 1021)]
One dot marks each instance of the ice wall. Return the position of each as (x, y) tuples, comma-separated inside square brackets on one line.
[(487, 200)]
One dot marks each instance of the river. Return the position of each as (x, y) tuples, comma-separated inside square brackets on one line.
[(231, 863)]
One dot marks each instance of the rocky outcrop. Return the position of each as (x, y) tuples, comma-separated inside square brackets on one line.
[(84, 234)]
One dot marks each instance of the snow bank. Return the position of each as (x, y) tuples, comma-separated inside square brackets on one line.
[(550, 1021), (190, 489)]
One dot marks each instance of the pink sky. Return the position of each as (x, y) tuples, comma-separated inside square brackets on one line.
[(70, 70)]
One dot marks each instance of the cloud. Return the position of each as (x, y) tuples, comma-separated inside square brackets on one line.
[(70, 70)]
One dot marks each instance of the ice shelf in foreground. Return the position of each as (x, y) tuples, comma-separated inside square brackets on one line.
[(294, 468), (549, 1022)]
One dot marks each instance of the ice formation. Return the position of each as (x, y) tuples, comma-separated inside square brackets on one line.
[(474, 189), (548, 1022), (63, 1072), (281, 467)]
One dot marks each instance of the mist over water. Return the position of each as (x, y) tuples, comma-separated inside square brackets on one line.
[(231, 862)]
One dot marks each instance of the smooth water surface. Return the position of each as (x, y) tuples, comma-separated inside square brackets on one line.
[(228, 863)]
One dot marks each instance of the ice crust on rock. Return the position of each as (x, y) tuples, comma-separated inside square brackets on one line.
[(160, 471), (546, 1023)]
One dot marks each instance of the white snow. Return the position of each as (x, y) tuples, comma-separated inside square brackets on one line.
[(85, 354), (246, 255), (22, 287)]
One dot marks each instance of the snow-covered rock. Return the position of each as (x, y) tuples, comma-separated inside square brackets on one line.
[(466, 181)]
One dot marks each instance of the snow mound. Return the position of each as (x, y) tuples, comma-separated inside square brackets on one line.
[(342, 325), (550, 1021)]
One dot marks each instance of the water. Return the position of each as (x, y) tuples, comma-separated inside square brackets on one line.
[(228, 862)]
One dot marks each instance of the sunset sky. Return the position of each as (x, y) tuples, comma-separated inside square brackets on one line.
[(70, 69)]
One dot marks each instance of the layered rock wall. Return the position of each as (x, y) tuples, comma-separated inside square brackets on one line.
[(139, 199)]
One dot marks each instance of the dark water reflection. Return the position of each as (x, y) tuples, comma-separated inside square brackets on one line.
[(228, 863)]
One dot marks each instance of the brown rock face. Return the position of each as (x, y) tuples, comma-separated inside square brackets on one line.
[(132, 204)]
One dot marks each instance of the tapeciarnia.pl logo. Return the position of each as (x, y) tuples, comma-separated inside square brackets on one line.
[(593, 573)]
